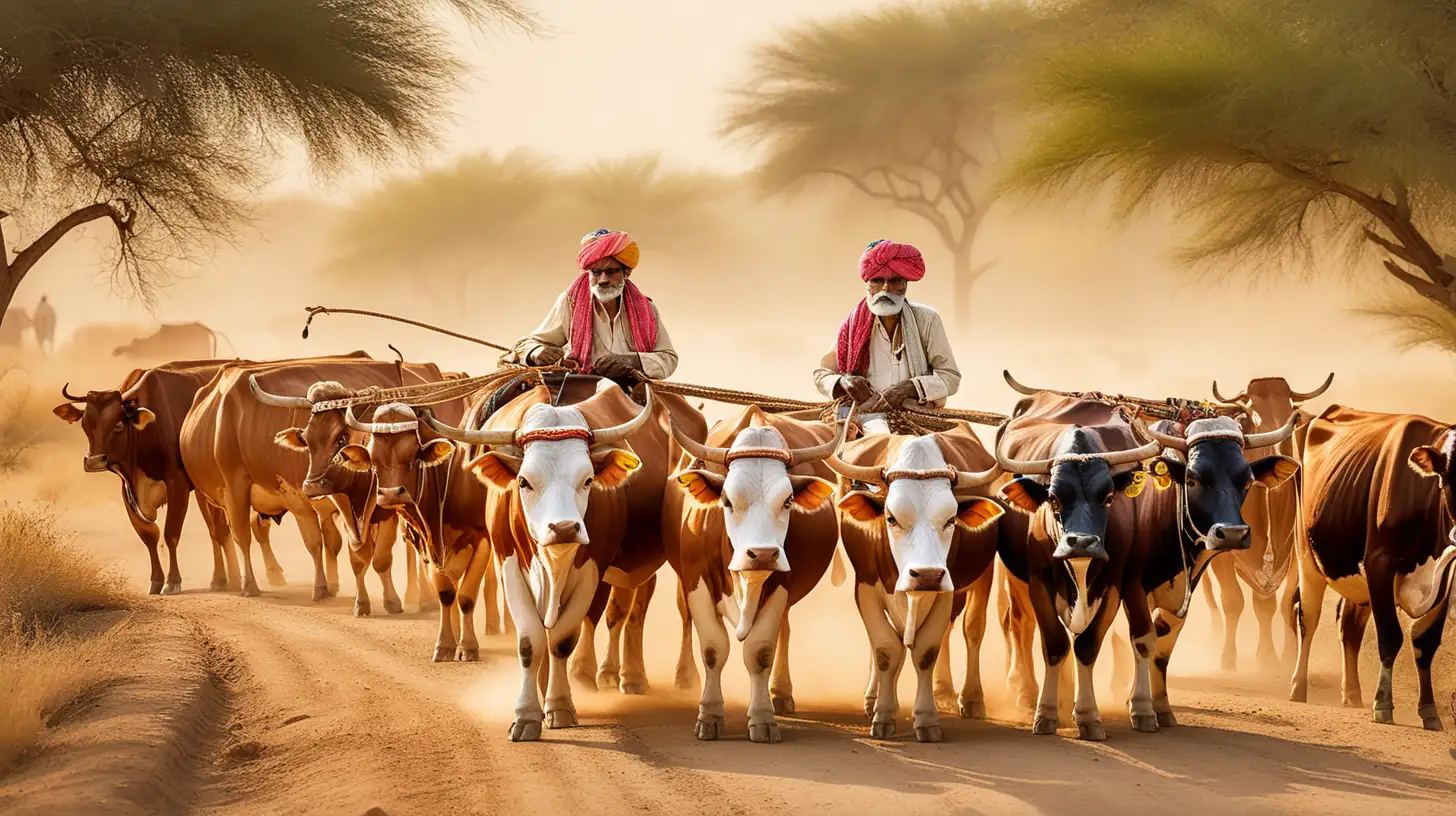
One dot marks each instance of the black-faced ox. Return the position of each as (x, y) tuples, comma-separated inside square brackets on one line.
[(922, 545), (1378, 500), (1273, 519), (750, 531)]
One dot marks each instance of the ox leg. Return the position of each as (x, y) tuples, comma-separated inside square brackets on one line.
[(1124, 663), (1231, 592), (1166, 627), (944, 682), (889, 657), (758, 658), (224, 559), (240, 525), (172, 534), (446, 588), (872, 689), (634, 662), (1210, 583), (1353, 619), (560, 710), (1140, 630), (1085, 648), (925, 650), (1018, 628), (972, 700), (619, 603), (687, 678), (1264, 609), (1308, 602), (781, 685), (1055, 646), (1426, 639), (385, 534), (412, 577), (1286, 613), (1388, 635), (312, 531), (584, 660), (490, 596), (150, 536), (361, 553), (333, 544), (713, 639), (480, 558), (263, 534), (531, 647)]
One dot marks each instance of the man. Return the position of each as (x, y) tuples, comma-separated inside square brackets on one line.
[(603, 322), (890, 351), (44, 324)]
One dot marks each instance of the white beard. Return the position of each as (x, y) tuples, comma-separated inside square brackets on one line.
[(886, 305), (606, 292)]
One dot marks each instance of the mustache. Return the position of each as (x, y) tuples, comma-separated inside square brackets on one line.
[(883, 297)]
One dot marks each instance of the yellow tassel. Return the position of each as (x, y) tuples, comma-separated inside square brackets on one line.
[(1135, 487)]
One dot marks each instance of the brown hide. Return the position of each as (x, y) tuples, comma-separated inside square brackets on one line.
[(172, 340), (697, 543), (869, 550), (1272, 515)]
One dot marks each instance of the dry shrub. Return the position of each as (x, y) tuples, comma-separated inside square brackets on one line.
[(44, 576), (41, 675), (25, 422)]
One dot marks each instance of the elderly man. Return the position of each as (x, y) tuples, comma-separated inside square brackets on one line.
[(603, 322), (890, 351)]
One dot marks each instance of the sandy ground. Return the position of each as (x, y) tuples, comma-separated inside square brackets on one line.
[(281, 705)]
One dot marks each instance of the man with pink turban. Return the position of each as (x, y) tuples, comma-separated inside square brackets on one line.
[(603, 322), (890, 351)]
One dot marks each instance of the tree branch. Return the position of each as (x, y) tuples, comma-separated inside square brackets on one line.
[(26, 258), (1390, 246), (1438, 295)]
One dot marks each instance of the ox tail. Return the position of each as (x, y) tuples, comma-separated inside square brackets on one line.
[(837, 572)]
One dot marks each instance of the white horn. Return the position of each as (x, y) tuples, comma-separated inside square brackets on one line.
[(617, 433), (275, 400)]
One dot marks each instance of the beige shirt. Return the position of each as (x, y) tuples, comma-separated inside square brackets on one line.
[(610, 335), (890, 364)]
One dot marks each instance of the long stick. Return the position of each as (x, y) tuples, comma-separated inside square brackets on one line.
[(315, 311)]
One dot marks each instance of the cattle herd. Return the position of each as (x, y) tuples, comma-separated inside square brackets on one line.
[(568, 493)]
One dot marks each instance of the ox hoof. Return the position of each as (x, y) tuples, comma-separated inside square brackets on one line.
[(493, 628), (250, 591), (686, 682), (869, 708), (1092, 731), (1268, 660), (276, 579), (321, 593), (464, 655), (607, 682), (1230, 662), (1167, 720), (561, 718), (945, 701), (1044, 726), (1299, 694), (1352, 702), (1384, 716), (155, 588), (172, 589), (972, 709), (585, 680), (220, 585), (1145, 723), (783, 706), (708, 728), (764, 732), (525, 731), (393, 606), (334, 590), (639, 687), (444, 654), (361, 608), (928, 733), (882, 729)]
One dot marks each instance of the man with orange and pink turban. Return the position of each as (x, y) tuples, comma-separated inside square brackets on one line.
[(890, 351), (603, 322)]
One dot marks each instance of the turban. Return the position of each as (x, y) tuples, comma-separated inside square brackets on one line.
[(887, 259), (607, 244)]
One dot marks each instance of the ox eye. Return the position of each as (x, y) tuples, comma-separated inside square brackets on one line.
[(891, 520), (1107, 502), (1190, 480), (1056, 504), (727, 505), (588, 482), (523, 484), (949, 523), (789, 503), (120, 426)]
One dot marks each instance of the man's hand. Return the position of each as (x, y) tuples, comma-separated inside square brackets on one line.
[(858, 389), (618, 365), (896, 395), (547, 355)]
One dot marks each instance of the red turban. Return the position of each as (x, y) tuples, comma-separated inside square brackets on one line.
[(887, 259)]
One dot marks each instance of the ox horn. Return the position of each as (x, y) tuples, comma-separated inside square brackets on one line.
[(819, 453), (1035, 467), (275, 400), (68, 396), (1271, 438), (617, 433), (967, 479), (481, 436), (1239, 400), (1011, 381), (857, 473), (1297, 396), (1173, 441), (715, 456), (370, 428), (1127, 457)]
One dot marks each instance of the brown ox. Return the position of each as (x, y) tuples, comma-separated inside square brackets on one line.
[(558, 511), (134, 432), (750, 532), (921, 536), (1378, 509), (171, 340), (1273, 518)]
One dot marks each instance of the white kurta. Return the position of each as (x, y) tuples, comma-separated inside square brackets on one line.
[(610, 335), (890, 360)]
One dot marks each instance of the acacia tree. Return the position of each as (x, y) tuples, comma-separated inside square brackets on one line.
[(160, 115), (1278, 127), (900, 104)]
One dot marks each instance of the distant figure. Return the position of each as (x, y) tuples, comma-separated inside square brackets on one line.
[(173, 341), (13, 326), (43, 322)]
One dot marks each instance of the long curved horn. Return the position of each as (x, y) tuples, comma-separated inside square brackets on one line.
[(1032, 467), (68, 396), (966, 478), (1126, 457), (1297, 396), (1011, 381), (1239, 400), (1271, 438), (715, 456), (275, 400), (617, 433), (483, 436), (819, 453), (857, 473), (363, 427), (1177, 443)]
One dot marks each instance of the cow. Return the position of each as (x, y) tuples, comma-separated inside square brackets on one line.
[(749, 530), (1377, 503), (558, 508), (171, 340), (919, 532), (44, 325), (1272, 516), (134, 432), (230, 449)]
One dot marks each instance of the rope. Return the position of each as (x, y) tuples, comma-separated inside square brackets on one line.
[(315, 311), (427, 393)]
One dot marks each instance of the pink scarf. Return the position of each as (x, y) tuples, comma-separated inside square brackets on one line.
[(853, 349), (639, 317)]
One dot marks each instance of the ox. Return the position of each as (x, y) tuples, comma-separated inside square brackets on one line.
[(1378, 512), (134, 432), (919, 544), (1272, 516), (557, 513), (172, 340), (749, 534)]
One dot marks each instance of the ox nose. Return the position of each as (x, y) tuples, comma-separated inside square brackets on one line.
[(761, 557), (96, 463), (1080, 545), (316, 488), (926, 579), (1229, 537), (565, 531), (391, 496)]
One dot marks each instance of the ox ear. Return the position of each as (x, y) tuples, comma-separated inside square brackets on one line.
[(978, 513), (1272, 471), (291, 439), (862, 506), (810, 492), (436, 452), (70, 413), (613, 466), (704, 486), (495, 468), (355, 458), (143, 418), (1024, 494), (1428, 461)]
